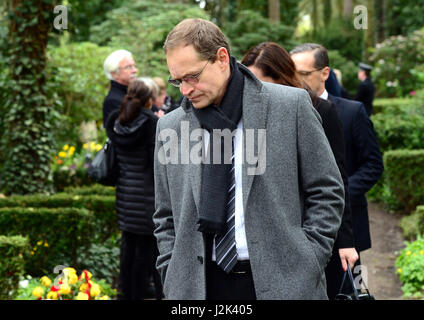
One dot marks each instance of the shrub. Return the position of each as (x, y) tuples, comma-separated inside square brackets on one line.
[(410, 268), (12, 251), (413, 225), (55, 235), (400, 128), (405, 177), (348, 69), (389, 105), (95, 189), (394, 59), (103, 208)]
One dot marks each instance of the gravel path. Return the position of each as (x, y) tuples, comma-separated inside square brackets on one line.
[(386, 241)]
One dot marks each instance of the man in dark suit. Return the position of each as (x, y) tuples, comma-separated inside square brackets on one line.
[(365, 91), (120, 69), (363, 157)]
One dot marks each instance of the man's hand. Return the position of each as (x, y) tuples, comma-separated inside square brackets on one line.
[(348, 255)]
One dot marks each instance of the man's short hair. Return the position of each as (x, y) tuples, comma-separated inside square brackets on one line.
[(205, 37), (321, 59), (111, 63)]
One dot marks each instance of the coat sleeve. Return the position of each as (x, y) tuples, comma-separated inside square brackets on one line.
[(162, 218), (369, 160), (334, 133), (321, 184)]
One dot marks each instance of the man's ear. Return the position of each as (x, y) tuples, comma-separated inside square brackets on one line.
[(222, 57), (325, 73)]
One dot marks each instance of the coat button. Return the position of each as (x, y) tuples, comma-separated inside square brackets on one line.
[(200, 258)]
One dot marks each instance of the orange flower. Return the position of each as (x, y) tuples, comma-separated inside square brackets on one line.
[(59, 161)]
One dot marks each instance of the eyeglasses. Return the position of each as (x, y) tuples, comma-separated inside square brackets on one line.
[(190, 79), (308, 73)]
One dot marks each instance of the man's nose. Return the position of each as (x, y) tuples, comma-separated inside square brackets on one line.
[(186, 89)]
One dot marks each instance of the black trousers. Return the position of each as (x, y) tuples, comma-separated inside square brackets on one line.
[(237, 285), (334, 275), (137, 255)]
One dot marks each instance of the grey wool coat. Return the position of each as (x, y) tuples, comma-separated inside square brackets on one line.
[(292, 210)]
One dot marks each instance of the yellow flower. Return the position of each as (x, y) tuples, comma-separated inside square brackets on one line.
[(72, 278), (38, 292), (85, 146), (82, 296), (83, 287), (52, 295), (68, 271), (64, 289), (98, 147), (45, 281), (71, 150), (62, 154), (399, 270), (46, 244), (39, 243), (408, 253), (65, 147), (104, 298), (92, 145), (88, 274), (95, 290)]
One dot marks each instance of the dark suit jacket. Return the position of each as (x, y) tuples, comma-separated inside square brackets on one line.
[(365, 94), (333, 131), (113, 99), (364, 163)]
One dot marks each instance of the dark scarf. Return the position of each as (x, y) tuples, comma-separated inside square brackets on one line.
[(216, 178)]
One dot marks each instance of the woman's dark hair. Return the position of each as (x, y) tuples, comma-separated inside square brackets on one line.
[(275, 62), (137, 97)]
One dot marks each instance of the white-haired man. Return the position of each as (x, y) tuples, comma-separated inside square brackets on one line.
[(120, 69)]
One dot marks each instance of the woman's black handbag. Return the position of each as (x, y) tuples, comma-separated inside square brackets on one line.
[(102, 168), (357, 294)]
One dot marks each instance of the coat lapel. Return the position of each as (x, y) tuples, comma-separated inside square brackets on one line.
[(255, 111)]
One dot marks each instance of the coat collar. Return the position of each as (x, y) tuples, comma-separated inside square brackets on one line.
[(254, 115)]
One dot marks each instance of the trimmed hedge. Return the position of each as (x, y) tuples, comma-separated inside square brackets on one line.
[(95, 189), (390, 105), (413, 225), (12, 250), (103, 208), (404, 176), (66, 178), (56, 235)]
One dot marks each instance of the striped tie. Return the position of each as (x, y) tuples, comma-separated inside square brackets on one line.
[(225, 243)]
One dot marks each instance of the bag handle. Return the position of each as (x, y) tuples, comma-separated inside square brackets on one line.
[(352, 282)]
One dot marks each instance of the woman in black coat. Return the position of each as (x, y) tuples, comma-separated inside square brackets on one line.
[(272, 63), (132, 130)]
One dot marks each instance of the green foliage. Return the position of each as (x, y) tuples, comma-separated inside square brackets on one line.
[(404, 177), (103, 208), (413, 225), (410, 264), (394, 60), (27, 124), (103, 260), (404, 17), (400, 126), (385, 105), (341, 36), (96, 189), (12, 251), (348, 69), (76, 72), (250, 29), (55, 235)]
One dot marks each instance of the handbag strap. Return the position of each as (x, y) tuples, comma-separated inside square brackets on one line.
[(352, 282)]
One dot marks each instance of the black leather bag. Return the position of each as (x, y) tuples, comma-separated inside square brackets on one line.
[(356, 294), (102, 168)]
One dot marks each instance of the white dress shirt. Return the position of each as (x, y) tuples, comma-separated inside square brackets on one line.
[(240, 232), (324, 95)]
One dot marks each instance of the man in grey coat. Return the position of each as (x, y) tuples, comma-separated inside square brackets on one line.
[(248, 195)]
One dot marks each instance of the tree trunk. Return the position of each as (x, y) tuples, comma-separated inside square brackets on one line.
[(327, 12), (369, 37), (348, 8), (274, 10)]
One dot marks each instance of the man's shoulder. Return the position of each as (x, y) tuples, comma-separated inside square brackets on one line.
[(281, 93), (346, 103), (172, 119)]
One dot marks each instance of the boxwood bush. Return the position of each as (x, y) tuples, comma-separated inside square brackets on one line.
[(56, 235), (413, 225), (404, 176), (103, 208), (12, 251)]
